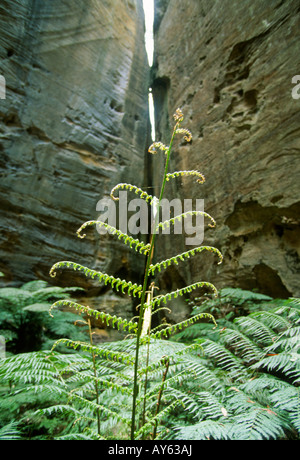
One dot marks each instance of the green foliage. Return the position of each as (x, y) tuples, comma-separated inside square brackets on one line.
[(24, 317), (116, 283), (184, 255), (257, 363), (10, 432), (234, 376), (147, 305), (127, 239), (232, 383), (85, 386)]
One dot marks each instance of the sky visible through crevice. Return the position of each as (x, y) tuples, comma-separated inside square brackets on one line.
[(149, 43)]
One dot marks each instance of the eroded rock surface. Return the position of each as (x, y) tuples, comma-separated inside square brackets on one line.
[(73, 124), (229, 66)]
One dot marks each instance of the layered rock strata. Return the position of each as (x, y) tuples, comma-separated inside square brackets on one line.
[(73, 124), (229, 66)]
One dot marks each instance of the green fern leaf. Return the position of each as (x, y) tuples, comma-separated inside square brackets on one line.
[(187, 289), (127, 239), (271, 320), (116, 283), (184, 255), (288, 400), (179, 326), (166, 224), (10, 432), (224, 359), (101, 351), (252, 327), (201, 178), (138, 191), (257, 424), (113, 321), (242, 345), (204, 430)]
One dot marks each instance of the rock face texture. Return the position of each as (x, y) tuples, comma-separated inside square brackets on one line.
[(229, 65), (73, 125)]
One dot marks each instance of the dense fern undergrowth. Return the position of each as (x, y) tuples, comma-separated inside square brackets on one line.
[(237, 379)]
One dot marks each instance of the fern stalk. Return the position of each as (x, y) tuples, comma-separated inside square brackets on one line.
[(145, 284), (167, 364), (95, 375)]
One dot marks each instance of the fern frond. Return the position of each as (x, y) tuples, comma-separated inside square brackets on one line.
[(257, 424), (110, 320), (77, 437), (127, 239), (252, 327), (187, 289), (116, 283), (179, 217), (187, 133), (47, 389), (10, 432), (210, 405), (58, 408), (28, 368), (179, 326), (190, 405), (202, 375), (184, 255), (288, 340), (242, 295), (286, 362), (245, 347), (101, 351), (272, 320), (159, 349), (158, 146), (201, 178), (138, 191), (224, 359), (288, 400), (204, 430), (147, 427), (94, 407)]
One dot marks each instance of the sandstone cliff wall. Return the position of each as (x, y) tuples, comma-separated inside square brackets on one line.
[(229, 64), (73, 124)]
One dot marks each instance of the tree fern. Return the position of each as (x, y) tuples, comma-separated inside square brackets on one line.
[(258, 378), (24, 319), (212, 389)]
